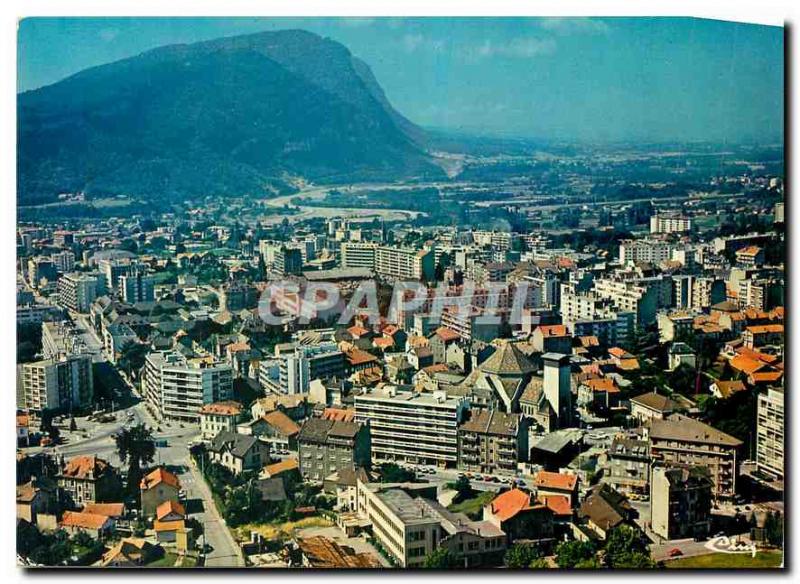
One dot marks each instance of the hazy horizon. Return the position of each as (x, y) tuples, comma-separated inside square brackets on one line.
[(562, 79)]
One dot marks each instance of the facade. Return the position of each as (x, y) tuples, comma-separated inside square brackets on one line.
[(177, 388), (298, 368), (219, 417), (77, 291), (670, 223), (680, 502), (63, 383), (629, 465), (682, 440), (239, 452), (404, 263), (492, 441), (137, 287), (770, 432), (410, 525), (89, 479), (412, 427), (358, 255), (327, 446), (156, 488)]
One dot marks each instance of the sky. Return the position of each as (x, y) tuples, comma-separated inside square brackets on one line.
[(571, 79)]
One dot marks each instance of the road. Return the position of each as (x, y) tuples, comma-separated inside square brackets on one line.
[(689, 547)]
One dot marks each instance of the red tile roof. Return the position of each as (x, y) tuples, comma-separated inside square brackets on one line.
[(558, 504), (109, 509), (508, 504), (158, 476), (223, 408), (83, 520), (555, 480), (168, 507)]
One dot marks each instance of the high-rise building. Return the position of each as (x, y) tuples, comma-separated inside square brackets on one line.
[(404, 263), (177, 387), (358, 255), (770, 428), (62, 383), (137, 287), (557, 386), (420, 428), (670, 223), (680, 501), (77, 291), (300, 366)]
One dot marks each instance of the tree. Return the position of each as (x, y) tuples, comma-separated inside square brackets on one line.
[(627, 547), (521, 555), (136, 447), (571, 553), (773, 529), (392, 473), (463, 488), (441, 559)]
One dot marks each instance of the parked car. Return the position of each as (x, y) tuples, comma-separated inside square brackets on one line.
[(675, 552)]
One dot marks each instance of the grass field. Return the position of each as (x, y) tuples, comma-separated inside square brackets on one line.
[(474, 506), (166, 561), (771, 559)]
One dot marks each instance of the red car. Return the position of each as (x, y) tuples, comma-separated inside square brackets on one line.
[(675, 552)]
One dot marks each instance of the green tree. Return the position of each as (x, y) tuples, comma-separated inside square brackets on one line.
[(773, 529), (136, 447), (392, 473), (463, 488), (441, 559), (571, 553), (627, 547), (521, 555), (590, 564)]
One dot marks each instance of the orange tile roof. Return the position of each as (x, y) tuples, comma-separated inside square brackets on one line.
[(83, 520), (446, 334), (507, 505), (235, 347), (357, 331), (558, 504), (283, 423), (628, 364), (751, 250), (619, 353), (357, 357), (552, 330), (756, 355), (84, 467), (601, 384), (589, 341), (383, 342), (555, 480), (223, 408), (168, 507), (285, 465), (765, 376), (108, 509), (746, 364), (765, 328), (158, 476), (339, 414)]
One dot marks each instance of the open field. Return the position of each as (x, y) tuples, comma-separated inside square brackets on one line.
[(718, 561)]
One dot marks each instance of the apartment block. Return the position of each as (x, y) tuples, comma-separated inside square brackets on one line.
[(492, 441), (77, 291), (770, 428)]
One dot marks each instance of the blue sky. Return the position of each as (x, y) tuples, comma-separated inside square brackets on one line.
[(600, 79)]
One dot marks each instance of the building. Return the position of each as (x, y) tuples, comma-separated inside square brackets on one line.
[(409, 524), (651, 405), (520, 516), (177, 387), (681, 354), (670, 223), (137, 287), (404, 263), (650, 251), (628, 296), (156, 488), (63, 384), (89, 479), (420, 428), (629, 465), (320, 552), (680, 502), (276, 428), (492, 441), (679, 439), (358, 255), (219, 417), (303, 364), (603, 509), (287, 260), (549, 483), (327, 446), (239, 452), (557, 387), (77, 291), (770, 432)]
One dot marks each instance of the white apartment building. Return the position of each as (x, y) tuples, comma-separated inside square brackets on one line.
[(302, 364), (650, 251), (77, 291), (670, 223), (358, 255), (770, 426), (58, 384), (420, 428), (404, 263), (628, 296), (177, 388)]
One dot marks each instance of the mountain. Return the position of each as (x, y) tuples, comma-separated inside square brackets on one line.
[(232, 116)]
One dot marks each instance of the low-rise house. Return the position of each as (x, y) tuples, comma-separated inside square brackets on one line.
[(38, 496), (520, 516), (219, 417), (725, 389), (681, 354), (98, 526), (131, 552), (325, 446), (296, 406), (156, 487), (604, 509), (276, 428), (171, 511), (554, 483), (680, 502), (238, 452), (651, 405), (288, 470), (113, 510), (89, 479)]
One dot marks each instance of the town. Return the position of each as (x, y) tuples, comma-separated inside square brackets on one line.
[(608, 394)]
